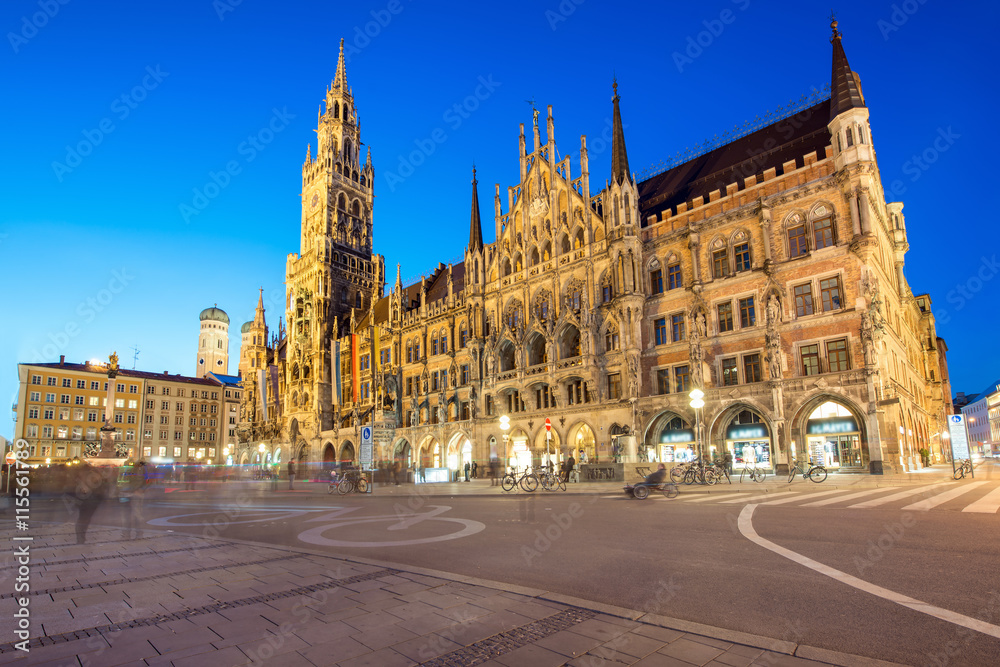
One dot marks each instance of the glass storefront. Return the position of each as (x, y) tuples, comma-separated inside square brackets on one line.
[(748, 441), (676, 444), (833, 438)]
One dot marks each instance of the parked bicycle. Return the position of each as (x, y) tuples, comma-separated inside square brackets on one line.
[(551, 481), (964, 468), (816, 473), (527, 481), (353, 481), (753, 472)]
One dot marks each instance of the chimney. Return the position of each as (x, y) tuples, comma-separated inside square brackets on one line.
[(62, 359), (166, 372)]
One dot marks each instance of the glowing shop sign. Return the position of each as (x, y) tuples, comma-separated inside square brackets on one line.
[(831, 425), (746, 432), (678, 435)]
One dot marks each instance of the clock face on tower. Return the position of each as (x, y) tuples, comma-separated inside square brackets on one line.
[(315, 200)]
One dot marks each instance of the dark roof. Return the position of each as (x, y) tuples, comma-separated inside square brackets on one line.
[(139, 375), (437, 288), (226, 379), (845, 87), (782, 141)]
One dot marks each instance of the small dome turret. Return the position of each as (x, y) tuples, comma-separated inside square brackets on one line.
[(246, 327), (214, 313)]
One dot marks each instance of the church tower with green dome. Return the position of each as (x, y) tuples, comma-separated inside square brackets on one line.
[(213, 342)]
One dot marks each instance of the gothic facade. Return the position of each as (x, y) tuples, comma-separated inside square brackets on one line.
[(767, 272)]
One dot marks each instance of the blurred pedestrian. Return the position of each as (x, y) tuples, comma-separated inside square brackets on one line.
[(291, 473), (475, 470), (467, 467), (90, 488), (568, 467), (133, 496), (395, 472)]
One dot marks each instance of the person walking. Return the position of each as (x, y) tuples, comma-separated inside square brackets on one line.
[(90, 489), (568, 467), (467, 467), (395, 472), (493, 464), (134, 493), (291, 474), (423, 470), (475, 469)]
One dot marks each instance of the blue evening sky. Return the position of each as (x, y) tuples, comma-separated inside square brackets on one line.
[(117, 114)]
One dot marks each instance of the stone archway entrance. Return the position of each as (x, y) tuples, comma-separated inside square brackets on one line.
[(347, 454)]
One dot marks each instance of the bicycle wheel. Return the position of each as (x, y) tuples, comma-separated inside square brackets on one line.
[(817, 474), (711, 477), (689, 476), (345, 487), (960, 472), (677, 474), (529, 482), (757, 475), (560, 484), (362, 485), (508, 482), (548, 481), (791, 474), (331, 488), (640, 492), (670, 490)]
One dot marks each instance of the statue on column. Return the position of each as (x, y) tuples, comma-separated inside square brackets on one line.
[(633, 376), (772, 341)]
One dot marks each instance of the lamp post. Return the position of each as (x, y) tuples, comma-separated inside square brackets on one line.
[(505, 426), (697, 397)]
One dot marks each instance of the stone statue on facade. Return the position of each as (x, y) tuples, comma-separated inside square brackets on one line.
[(633, 376), (773, 311), (773, 354)]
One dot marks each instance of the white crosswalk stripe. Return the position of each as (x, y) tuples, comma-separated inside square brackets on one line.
[(702, 499), (849, 496), (895, 496), (760, 499), (799, 496), (988, 504), (941, 498)]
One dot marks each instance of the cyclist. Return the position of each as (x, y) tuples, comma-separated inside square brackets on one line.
[(656, 477)]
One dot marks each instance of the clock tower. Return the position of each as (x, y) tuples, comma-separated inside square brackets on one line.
[(335, 271)]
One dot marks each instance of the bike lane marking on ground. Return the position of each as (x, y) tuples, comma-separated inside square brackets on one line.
[(875, 502), (715, 497), (941, 498), (768, 496), (401, 522), (745, 524), (798, 496), (988, 504), (849, 496)]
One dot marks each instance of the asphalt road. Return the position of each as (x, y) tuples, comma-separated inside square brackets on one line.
[(678, 558)]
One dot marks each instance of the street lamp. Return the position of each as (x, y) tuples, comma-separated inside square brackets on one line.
[(505, 426), (697, 397)]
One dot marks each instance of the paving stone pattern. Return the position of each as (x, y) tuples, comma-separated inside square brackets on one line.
[(218, 603)]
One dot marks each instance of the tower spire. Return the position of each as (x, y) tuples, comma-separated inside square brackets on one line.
[(619, 158), (845, 85), (340, 80), (475, 226)]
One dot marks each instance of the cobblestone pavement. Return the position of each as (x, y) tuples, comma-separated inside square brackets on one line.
[(171, 599)]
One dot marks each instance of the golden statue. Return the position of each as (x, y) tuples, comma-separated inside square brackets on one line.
[(113, 361)]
